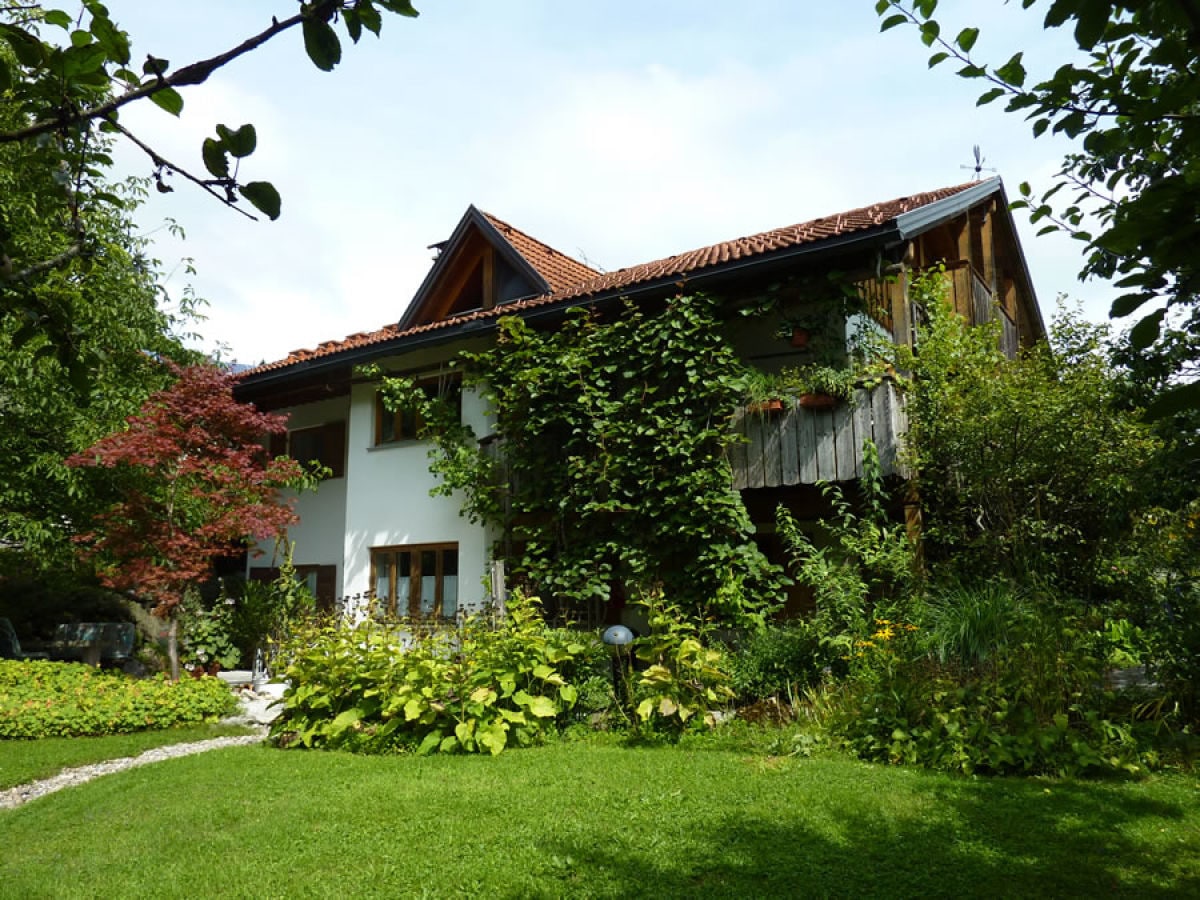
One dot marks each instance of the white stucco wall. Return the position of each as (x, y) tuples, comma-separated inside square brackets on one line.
[(388, 502), (318, 536)]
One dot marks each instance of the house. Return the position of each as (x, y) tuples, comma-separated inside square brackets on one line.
[(374, 527)]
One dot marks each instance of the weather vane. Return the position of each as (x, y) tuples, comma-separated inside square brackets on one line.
[(979, 168)]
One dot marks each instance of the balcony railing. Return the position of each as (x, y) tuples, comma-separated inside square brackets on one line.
[(803, 446)]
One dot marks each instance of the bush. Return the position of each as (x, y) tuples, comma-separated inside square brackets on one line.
[(49, 699), (383, 687), (1026, 700), (778, 660)]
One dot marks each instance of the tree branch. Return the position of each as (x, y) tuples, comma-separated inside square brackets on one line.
[(54, 262), (195, 73), (164, 163)]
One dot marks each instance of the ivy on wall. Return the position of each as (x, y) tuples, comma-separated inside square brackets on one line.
[(612, 470)]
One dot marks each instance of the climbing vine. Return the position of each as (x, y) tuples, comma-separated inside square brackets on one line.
[(611, 475)]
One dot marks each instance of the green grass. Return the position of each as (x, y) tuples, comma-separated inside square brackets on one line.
[(579, 820), (25, 761)]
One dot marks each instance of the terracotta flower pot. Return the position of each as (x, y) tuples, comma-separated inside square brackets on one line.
[(800, 338), (765, 407), (818, 401)]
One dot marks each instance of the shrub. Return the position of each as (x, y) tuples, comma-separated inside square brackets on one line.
[(683, 681), (1028, 700), (380, 687), (778, 660), (49, 699)]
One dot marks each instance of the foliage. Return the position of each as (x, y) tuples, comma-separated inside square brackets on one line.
[(1156, 578), (266, 612), (777, 660), (867, 567), (681, 678), (1019, 694), (969, 624), (1130, 101), (380, 687), (58, 398), (206, 637), (197, 484), (43, 699), (612, 470), (1024, 467)]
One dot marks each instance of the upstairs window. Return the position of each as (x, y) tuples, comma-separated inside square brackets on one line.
[(406, 423), (323, 444)]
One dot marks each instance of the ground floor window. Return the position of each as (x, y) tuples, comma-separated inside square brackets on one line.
[(418, 580), (321, 582)]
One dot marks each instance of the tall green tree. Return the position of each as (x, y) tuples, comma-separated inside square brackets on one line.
[(1026, 467), (1131, 101), (57, 396), (65, 76)]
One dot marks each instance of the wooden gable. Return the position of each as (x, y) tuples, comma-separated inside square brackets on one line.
[(477, 269)]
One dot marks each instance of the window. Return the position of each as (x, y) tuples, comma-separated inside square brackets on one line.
[(406, 423), (324, 444), (418, 580), (321, 582)]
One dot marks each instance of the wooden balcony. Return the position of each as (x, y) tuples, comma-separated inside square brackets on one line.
[(801, 446)]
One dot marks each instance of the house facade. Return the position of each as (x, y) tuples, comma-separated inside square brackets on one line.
[(374, 528)]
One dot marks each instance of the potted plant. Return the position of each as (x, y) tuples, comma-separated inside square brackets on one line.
[(763, 393), (820, 386)]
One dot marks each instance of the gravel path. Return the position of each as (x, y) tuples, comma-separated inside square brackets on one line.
[(23, 793)]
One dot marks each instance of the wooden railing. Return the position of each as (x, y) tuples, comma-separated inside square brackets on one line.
[(803, 446)]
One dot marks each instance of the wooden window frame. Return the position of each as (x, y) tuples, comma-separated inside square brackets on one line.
[(405, 423), (332, 453), (389, 556)]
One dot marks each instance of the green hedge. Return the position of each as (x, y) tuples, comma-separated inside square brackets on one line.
[(51, 699)]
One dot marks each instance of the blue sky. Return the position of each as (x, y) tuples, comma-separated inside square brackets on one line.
[(617, 133)]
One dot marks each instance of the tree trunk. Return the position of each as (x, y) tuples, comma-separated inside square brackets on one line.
[(173, 646)]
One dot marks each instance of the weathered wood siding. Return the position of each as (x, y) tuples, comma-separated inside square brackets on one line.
[(802, 446)]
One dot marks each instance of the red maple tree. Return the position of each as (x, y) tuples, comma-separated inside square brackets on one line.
[(197, 483)]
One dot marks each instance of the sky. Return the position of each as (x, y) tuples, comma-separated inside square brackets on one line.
[(618, 133)]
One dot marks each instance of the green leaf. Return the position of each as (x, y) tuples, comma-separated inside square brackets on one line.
[(1146, 331), (215, 159), (431, 742), (1092, 20), (168, 99), (27, 48), (345, 720), (543, 707), (264, 197), (938, 58), (966, 39), (114, 41), (1012, 72), (494, 737), (892, 21), (240, 143), (989, 96), (58, 17), (400, 7), (1127, 303), (353, 23), (929, 32), (322, 44), (1175, 399)]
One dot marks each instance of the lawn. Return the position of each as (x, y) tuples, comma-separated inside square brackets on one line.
[(599, 820), (25, 761)]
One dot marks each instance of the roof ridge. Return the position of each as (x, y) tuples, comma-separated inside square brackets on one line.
[(503, 227), (678, 264)]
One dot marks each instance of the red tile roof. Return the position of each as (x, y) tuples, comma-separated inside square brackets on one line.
[(570, 279), (560, 271)]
